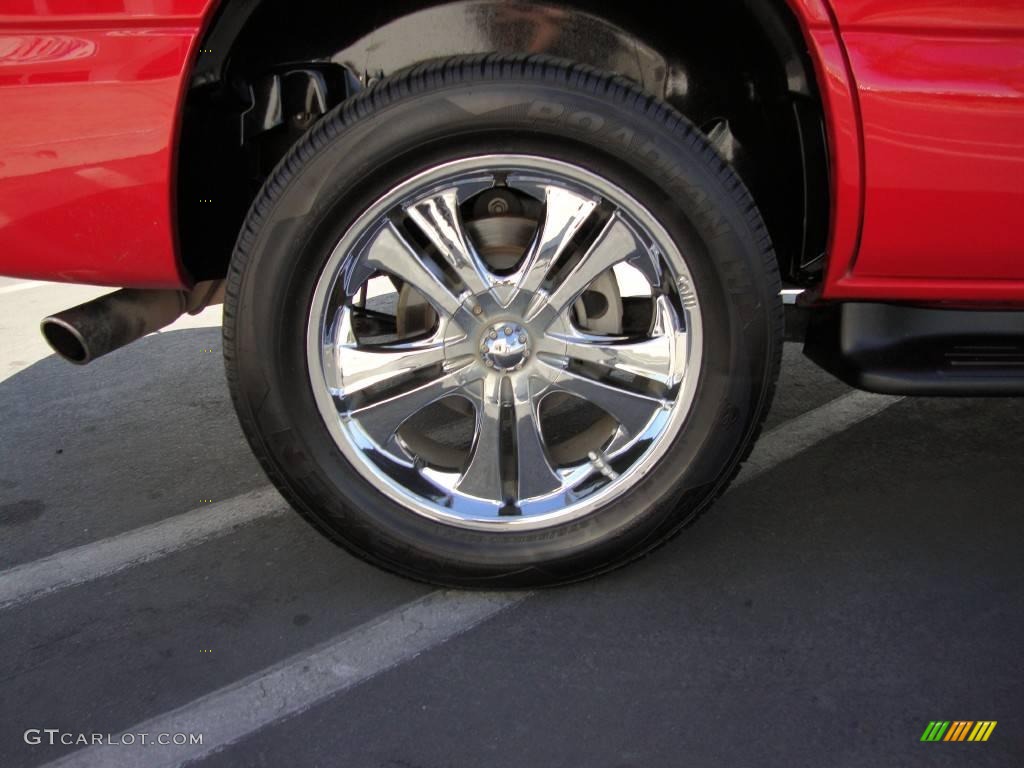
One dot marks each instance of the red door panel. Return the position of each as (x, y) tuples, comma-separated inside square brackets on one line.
[(943, 123), (954, 15), (940, 87)]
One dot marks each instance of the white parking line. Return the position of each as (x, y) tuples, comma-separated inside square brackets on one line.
[(23, 286), (228, 715), (296, 684), (102, 558), (30, 581), (796, 435)]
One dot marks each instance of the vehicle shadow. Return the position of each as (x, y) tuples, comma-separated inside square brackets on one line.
[(136, 436)]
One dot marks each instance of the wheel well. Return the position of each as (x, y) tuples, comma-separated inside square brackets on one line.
[(739, 69)]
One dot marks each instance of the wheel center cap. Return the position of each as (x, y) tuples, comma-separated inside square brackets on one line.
[(505, 346)]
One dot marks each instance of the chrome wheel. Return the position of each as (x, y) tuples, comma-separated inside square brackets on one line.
[(504, 342)]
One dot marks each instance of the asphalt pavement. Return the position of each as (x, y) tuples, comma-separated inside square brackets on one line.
[(863, 579)]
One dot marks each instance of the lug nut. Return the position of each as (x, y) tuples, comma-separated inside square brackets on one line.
[(526, 353), (508, 331), (493, 335), (522, 338)]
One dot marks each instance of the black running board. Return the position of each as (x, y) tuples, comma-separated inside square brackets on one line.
[(907, 350)]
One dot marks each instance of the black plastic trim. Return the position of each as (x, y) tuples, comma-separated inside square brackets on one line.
[(910, 350)]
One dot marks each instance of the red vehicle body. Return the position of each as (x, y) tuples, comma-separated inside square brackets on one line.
[(924, 108)]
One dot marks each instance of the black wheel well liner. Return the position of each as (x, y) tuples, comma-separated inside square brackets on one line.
[(739, 69)]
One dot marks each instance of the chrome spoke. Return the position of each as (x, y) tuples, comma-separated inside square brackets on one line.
[(382, 418), (565, 212), (632, 410), (482, 478), (439, 218), (370, 366), (390, 252), (534, 474), (362, 366), (647, 358), (616, 242), (659, 358)]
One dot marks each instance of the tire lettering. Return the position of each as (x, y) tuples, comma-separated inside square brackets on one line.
[(586, 121), (545, 110)]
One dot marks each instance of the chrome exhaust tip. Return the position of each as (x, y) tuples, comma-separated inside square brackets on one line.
[(65, 340), (90, 330)]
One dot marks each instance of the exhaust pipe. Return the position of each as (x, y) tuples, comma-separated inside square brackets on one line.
[(91, 330)]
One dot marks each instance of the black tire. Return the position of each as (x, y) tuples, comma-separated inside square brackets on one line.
[(446, 110)]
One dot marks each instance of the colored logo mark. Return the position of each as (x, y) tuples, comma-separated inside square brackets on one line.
[(958, 730)]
